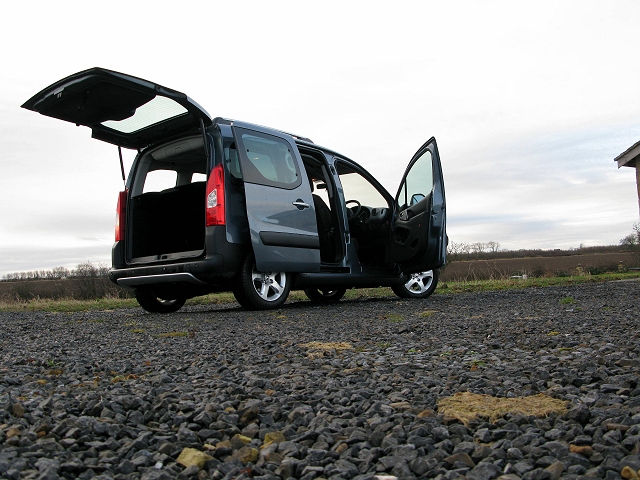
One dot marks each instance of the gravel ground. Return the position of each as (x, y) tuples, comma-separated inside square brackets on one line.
[(125, 394)]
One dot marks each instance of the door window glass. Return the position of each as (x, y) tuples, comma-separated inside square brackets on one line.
[(418, 182), (268, 160)]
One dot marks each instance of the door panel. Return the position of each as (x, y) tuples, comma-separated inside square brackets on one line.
[(419, 236), (280, 209), (410, 231)]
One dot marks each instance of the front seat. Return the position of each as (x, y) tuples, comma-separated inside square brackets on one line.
[(325, 229)]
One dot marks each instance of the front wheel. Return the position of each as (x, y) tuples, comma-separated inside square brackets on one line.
[(261, 290), (418, 285), (154, 304), (326, 296)]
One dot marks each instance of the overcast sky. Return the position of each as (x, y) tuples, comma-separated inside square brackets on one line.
[(530, 102)]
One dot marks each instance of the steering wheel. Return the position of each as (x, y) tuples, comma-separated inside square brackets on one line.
[(353, 213)]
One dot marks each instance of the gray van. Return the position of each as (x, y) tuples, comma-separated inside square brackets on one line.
[(213, 204)]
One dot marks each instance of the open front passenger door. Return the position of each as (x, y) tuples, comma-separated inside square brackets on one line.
[(419, 240)]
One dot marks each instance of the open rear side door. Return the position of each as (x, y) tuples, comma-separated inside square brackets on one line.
[(419, 240), (120, 109), (280, 209)]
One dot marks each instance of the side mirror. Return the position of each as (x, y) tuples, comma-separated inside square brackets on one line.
[(415, 198)]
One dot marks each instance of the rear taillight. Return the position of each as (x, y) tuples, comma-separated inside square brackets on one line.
[(121, 215), (215, 197)]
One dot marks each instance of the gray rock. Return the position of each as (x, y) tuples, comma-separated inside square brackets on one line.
[(579, 413), (420, 466), (537, 474), (521, 468), (439, 434), (462, 458), (483, 471), (483, 435)]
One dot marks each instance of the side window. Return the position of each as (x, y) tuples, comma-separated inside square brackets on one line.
[(418, 181), (158, 180), (267, 160)]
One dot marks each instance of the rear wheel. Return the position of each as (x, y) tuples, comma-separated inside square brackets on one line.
[(154, 304), (261, 290), (418, 285), (325, 295)]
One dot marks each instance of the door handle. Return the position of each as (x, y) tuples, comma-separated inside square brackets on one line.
[(300, 205)]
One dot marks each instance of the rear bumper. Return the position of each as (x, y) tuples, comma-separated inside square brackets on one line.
[(201, 272), (155, 279)]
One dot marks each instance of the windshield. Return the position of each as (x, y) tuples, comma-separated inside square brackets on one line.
[(357, 187)]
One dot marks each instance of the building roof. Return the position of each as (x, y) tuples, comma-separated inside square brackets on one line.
[(628, 157)]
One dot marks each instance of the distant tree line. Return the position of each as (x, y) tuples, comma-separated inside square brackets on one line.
[(492, 250), (82, 270), (87, 281), (455, 251)]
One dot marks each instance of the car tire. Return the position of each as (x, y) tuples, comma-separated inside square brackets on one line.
[(261, 290), (418, 285), (325, 296), (149, 301)]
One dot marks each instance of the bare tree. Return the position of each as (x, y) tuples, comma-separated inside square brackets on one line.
[(453, 248), (85, 269), (478, 247), (629, 241), (493, 246), (103, 269), (60, 272), (633, 238)]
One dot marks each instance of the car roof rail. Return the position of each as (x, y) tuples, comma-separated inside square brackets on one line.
[(227, 121)]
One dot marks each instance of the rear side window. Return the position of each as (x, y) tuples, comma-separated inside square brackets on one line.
[(233, 162), (158, 180), (267, 160)]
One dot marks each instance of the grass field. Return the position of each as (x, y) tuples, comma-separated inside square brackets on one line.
[(444, 288), (552, 266)]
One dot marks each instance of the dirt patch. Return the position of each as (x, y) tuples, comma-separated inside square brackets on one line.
[(320, 349), (467, 406)]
